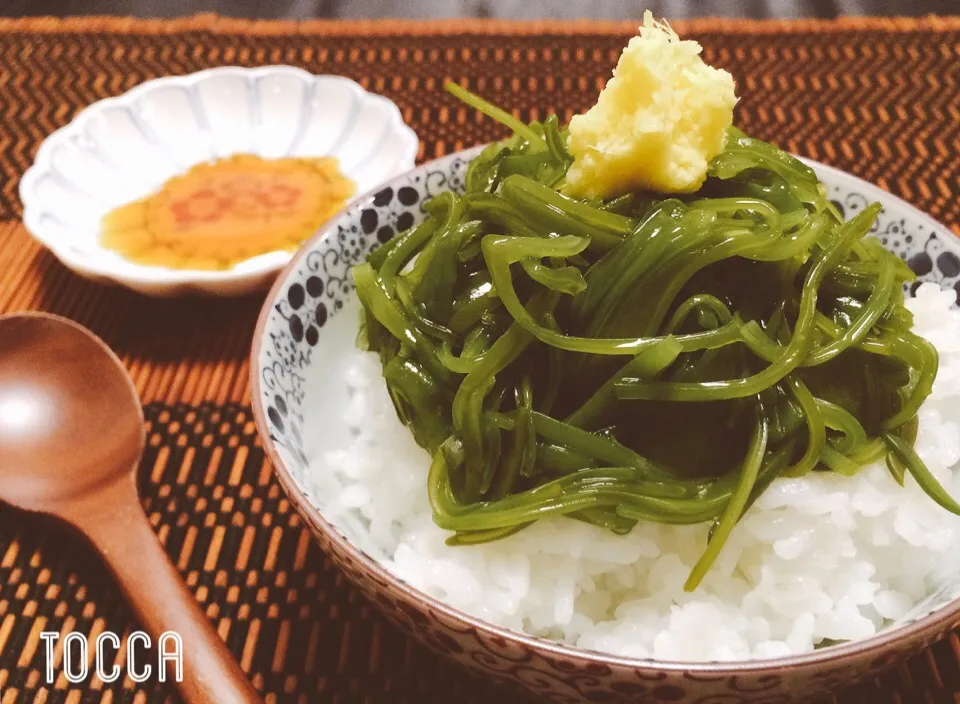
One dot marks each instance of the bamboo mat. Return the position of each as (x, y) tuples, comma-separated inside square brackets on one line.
[(878, 98)]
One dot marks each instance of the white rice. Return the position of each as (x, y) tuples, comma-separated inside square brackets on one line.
[(822, 557)]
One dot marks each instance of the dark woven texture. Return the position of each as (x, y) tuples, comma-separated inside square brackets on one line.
[(879, 99)]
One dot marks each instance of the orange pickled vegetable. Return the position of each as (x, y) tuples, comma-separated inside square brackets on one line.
[(220, 213)]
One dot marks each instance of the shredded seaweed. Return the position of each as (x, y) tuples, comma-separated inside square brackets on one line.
[(655, 358)]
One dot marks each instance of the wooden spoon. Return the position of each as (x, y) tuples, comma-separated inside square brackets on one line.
[(71, 436)]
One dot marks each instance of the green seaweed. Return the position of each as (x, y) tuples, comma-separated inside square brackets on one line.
[(643, 358)]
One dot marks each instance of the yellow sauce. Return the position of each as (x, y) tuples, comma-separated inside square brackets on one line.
[(219, 213)]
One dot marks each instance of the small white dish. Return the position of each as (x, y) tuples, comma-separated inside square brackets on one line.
[(124, 148)]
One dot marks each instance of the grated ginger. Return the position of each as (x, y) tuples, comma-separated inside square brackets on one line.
[(656, 124)]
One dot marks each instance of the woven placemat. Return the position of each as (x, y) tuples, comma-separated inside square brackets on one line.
[(878, 98)]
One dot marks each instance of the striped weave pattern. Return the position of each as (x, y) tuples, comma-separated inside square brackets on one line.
[(878, 98)]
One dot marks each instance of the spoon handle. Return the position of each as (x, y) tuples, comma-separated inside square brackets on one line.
[(117, 526)]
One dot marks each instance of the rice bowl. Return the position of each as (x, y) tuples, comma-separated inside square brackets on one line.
[(300, 402)]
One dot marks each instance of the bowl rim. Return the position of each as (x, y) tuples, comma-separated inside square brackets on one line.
[(903, 638), (135, 274)]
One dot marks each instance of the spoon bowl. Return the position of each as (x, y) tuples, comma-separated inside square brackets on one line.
[(71, 436), (69, 423)]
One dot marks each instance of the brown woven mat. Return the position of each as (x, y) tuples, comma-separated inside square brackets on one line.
[(879, 98)]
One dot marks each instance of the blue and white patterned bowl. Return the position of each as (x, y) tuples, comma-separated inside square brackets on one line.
[(309, 323), (124, 148)]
